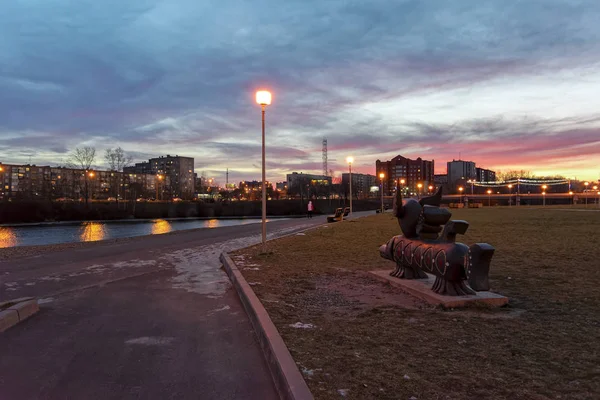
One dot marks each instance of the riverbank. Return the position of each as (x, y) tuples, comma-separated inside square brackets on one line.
[(353, 335), (45, 211)]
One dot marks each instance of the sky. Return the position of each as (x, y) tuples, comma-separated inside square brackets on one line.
[(508, 84)]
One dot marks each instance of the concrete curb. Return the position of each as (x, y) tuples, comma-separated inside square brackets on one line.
[(287, 378), (14, 311)]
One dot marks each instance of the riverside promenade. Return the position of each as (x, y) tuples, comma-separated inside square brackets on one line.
[(151, 317)]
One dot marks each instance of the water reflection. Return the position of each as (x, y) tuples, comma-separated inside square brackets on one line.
[(7, 238), (92, 231), (212, 223), (161, 226)]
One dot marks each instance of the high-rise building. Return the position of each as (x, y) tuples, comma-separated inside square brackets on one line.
[(414, 172), (461, 170), (179, 170)]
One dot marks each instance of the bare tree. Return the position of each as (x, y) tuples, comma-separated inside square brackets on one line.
[(83, 158), (117, 160)]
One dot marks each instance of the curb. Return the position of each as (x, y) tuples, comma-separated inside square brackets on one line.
[(287, 378), (14, 311)]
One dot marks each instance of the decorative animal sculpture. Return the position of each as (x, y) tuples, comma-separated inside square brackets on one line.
[(458, 268)]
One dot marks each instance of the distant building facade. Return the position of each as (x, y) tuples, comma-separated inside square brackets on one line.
[(308, 184), (31, 182), (460, 170), (412, 171), (361, 184), (179, 170), (485, 175)]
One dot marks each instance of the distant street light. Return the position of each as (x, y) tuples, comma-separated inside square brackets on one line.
[(585, 192), (158, 179), (489, 192), (430, 188), (419, 185), (263, 98), (381, 176), (350, 160), (510, 194), (544, 187), (572, 199), (460, 189)]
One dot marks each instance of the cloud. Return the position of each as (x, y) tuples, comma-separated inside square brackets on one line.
[(376, 78)]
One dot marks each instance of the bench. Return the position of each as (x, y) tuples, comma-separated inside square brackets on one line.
[(337, 216), (346, 211)]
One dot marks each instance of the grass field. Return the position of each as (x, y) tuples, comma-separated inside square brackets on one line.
[(373, 341)]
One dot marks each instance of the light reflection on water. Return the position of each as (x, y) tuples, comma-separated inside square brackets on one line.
[(89, 231), (7, 238), (92, 231), (160, 226)]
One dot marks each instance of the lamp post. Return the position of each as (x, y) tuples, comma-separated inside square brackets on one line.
[(510, 194), (460, 189), (158, 179), (585, 192), (419, 185), (489, 192), (91, 175), (381, 176), (544, 187), (350, 160), (572, 200), (595, 187), (263, 98), (430, 188), (402, 182)]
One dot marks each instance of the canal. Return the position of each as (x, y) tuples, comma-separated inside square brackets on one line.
[(89, 231)]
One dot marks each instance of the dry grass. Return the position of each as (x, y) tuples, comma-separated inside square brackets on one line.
[(376, 342)]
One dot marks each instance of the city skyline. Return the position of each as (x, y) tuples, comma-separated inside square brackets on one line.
[(508, 86)]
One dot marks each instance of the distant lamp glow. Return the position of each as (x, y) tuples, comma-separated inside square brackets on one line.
[(489, 192), (420, 185), (350, 159), (460, 189), (595, 187), (91, 174), (402, 181), (430, 187), (381, 175), (263, 97), (571, 193)]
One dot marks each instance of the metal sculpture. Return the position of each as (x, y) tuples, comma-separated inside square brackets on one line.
[(458, 268)]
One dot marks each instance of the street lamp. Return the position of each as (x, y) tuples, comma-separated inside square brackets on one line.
[(544, 187), (350, 160), (571, 194), (489, 192), (430, 188), (460, 189), (419, 185), (158, 179), (381, 176), (585, 192), (510, 194), (263, 98)]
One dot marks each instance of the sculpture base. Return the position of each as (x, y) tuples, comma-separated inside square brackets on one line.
[(421, 288)]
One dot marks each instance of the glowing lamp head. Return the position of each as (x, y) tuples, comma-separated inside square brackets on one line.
[(420, 185), (402, 181), (91, 174), (510, 186), (595, 187), (489, 192), (381, 175), (544, 187), (350, 160), (460, 189), (544, 193), (571, 192), (263, 97), (586, 183), (430, 187)]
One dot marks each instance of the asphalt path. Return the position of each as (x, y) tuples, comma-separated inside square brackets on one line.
[(152, 317)]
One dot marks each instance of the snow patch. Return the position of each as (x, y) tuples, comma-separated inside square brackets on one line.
[(45, 300), (151, 340), (343, 392), (300, 325)]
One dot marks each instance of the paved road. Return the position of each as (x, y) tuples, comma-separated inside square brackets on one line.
[(147, 318)]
